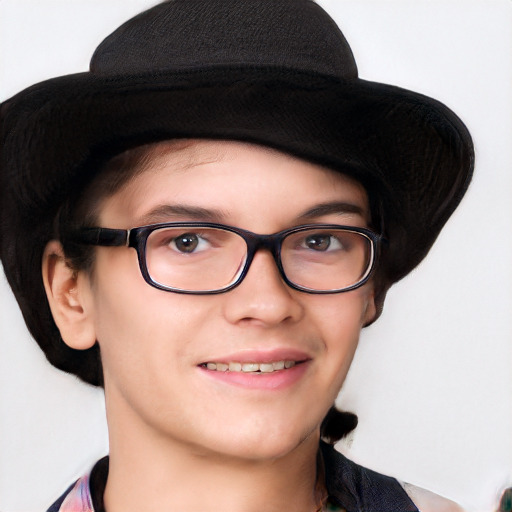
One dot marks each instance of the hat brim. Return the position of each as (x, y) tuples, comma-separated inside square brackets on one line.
[(411, 152)]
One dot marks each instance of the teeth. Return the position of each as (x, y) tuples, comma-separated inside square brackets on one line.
[(279, 365), (250, 367)]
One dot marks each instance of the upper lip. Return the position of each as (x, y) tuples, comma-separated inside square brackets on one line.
[(261, 356)]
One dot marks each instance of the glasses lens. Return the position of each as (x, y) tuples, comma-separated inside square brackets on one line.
[(195, 258), (326, 259)]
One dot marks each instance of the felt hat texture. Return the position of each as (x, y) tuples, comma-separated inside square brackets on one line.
[(273, 72)]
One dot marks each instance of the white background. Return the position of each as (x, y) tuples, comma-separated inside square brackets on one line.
[(432, 380)]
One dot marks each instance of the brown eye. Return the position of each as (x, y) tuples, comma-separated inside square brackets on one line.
[(187, 242), (318, 242)]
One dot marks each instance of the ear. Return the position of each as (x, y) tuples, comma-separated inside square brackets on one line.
[(370, 310), (69, 296)]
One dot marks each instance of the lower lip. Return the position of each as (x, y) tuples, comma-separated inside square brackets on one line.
[(275, 380)]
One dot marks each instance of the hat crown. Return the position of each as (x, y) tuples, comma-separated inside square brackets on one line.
[(180, 35)]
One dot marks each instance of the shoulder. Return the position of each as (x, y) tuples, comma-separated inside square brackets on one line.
[(56, 507), (355, 487), (77, 498), (360, 488), (428, 501)]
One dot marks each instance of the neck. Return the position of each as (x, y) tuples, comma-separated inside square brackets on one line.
[(150, 472), (188, 480)]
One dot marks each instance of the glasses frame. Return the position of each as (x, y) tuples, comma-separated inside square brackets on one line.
[(137, 239)]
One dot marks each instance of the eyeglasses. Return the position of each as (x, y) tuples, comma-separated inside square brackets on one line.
[(208, 258)]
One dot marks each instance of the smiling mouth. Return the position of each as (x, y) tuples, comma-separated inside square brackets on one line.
[(256, 368)]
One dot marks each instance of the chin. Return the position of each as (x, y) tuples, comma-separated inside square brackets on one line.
[(266, 443)]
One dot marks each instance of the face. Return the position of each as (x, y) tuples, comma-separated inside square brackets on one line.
[(155, 345)]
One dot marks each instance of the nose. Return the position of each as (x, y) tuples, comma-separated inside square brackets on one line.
[(262, 298)]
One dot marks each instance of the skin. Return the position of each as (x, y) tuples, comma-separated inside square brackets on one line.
[(177, 434)]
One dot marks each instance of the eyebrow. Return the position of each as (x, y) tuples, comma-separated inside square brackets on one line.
[(168, 212), (336, 207)]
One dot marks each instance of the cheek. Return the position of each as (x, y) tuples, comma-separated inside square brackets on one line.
[(139, 328), (145, 329), (341, 315), (340, 319)]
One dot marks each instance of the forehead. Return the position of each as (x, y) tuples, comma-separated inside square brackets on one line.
[(186, 154), (234, 174)]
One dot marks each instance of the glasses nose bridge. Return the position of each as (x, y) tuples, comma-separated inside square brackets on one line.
[(270, 243)]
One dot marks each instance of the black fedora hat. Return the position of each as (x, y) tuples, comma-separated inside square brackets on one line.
[(273, 72)]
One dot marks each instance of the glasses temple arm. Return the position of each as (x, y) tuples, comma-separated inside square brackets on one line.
[(103, 236)]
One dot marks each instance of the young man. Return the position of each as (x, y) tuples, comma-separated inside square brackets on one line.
[(223, 333)]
